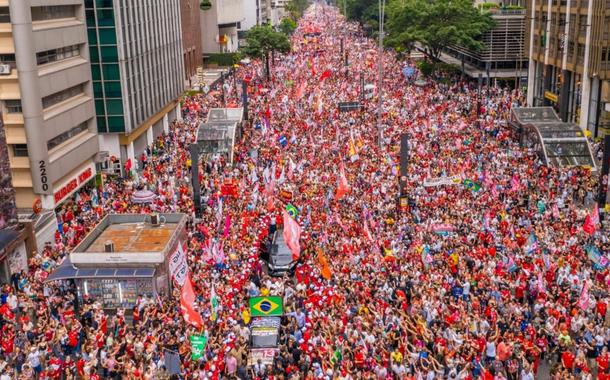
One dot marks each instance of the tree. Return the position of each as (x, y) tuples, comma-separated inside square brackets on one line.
[(287, 26), (296, 8), (262, 40), (366, 12), (436, 24)]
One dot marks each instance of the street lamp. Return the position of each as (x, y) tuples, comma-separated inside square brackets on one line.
[(520, 62), (380, 79)]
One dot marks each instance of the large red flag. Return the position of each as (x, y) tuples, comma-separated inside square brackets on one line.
[(292, 234), (325, 75), (187, 299), (589, 225), (343, 187)]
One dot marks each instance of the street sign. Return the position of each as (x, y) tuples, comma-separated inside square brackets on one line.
[(349, 106)]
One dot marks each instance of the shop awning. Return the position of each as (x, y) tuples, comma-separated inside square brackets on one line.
[(68, 271)]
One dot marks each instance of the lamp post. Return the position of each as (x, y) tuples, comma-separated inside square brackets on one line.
[(520, 62), (380, 79)]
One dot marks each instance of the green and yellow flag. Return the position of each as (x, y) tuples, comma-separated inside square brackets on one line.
[(292, 211), (271, 306)]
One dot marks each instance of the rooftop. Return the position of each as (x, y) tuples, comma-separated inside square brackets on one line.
[(134, 237)]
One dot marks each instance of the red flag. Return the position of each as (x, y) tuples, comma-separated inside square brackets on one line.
[(187, 299), (589, 226), (325, 75), (292, 234), (343, 187)]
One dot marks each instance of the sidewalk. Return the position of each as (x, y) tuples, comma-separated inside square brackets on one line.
[(210, 76)]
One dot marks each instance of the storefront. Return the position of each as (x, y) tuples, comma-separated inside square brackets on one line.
[(113, 287), (13, 254), (68, 185)]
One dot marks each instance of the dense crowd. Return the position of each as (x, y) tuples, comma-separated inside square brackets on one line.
[(485, 276)]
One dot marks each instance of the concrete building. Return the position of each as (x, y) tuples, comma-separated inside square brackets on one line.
[(138, 71), (13, 251), (278, 11), (219, 26), (191, 38), (569, 60), (47, 99), (504, 56)]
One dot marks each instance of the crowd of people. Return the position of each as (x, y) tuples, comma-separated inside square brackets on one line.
[(486, 272)]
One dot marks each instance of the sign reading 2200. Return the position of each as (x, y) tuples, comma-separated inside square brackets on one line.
[(43, 175)]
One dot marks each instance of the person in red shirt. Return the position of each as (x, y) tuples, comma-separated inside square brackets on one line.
[(567, 359), (602, 360)]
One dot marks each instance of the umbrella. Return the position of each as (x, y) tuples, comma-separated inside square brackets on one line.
[(420, 83), (143, 196), (369, 86)]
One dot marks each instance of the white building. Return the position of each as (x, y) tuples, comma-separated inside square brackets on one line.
[(219, 26)]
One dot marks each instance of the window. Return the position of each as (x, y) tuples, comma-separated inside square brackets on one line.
[(53, 12), (5, 15), (13, 106), (8, 59), (55, 141), (57, 54), (112, 89), (105, 17), (107, 36), (111, 72), (20, 150), (58, 97)]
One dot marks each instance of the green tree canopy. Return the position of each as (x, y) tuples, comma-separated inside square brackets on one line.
[(262, 40), (436, 24), (287, 26), (366, 12), (296, 8)]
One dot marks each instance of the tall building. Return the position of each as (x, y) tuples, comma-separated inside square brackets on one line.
[(191, 37), (219, 26), (46, 96), (138, 72), (503, 56), (569, 60)]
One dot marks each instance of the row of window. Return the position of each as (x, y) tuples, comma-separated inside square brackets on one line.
[(54, 55), (5, 15), (58, 97), (67, 135), (53, 12)]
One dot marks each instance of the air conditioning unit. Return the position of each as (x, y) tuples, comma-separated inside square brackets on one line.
[(154, 219), (5, 69), (109, 246)]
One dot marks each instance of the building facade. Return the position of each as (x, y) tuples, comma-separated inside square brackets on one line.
[(219, 26), (504, 56), (569, 60), (138, 71), (191, 37), (13, 255), (46, 95)]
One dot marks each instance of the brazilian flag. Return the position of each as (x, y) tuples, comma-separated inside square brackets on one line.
[(292, 211), (471, 185), (271, 306)]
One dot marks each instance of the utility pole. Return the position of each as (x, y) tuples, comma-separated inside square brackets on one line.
[(380, 79)]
